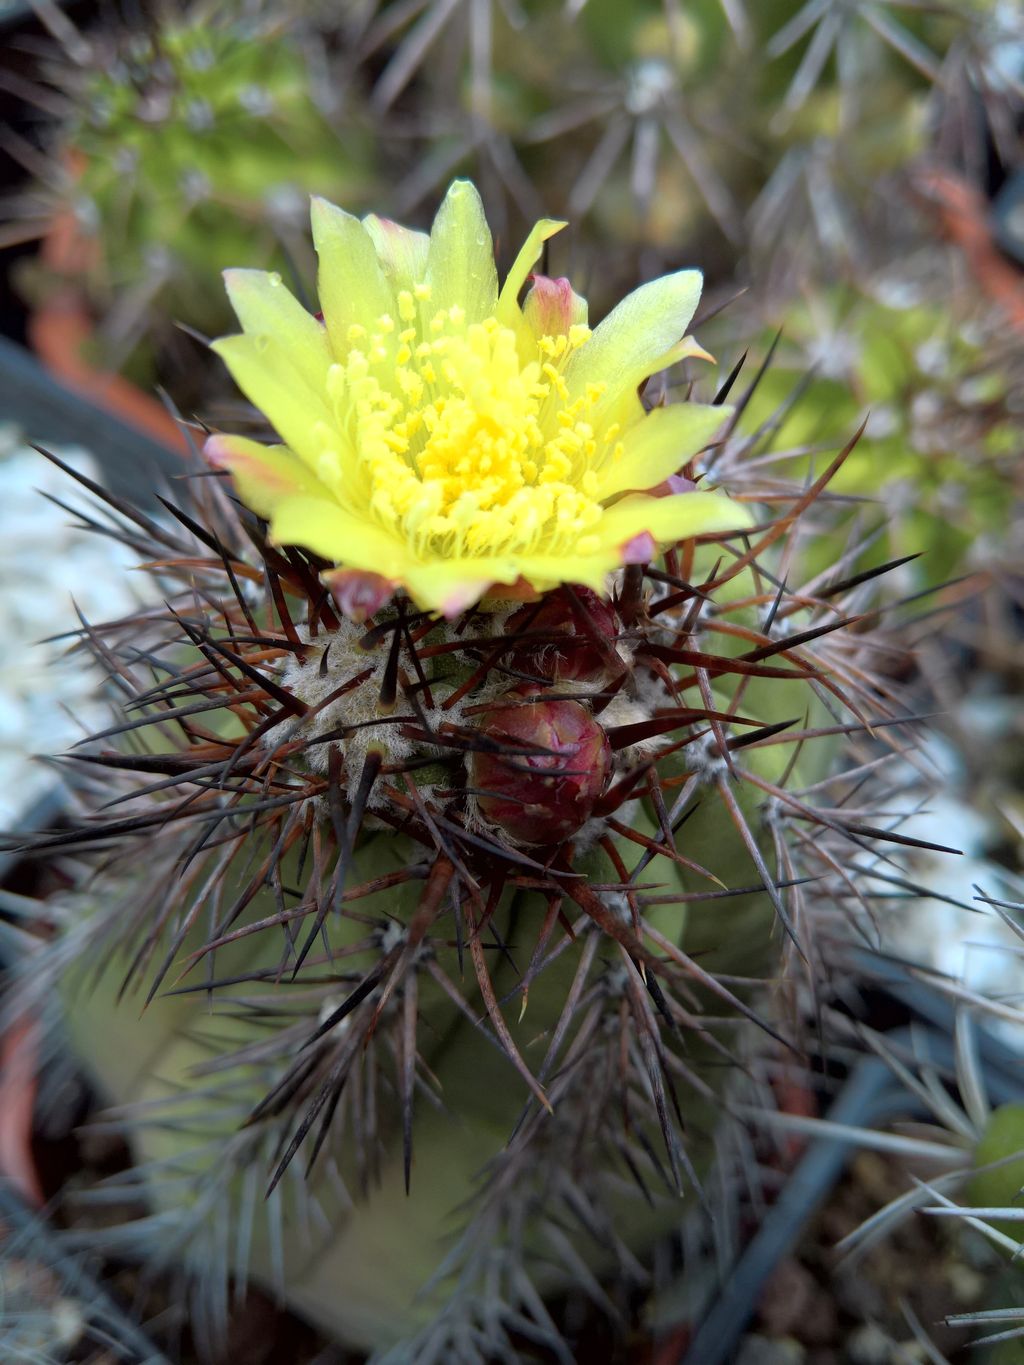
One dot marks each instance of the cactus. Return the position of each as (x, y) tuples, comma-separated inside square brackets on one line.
[(460, 839), (50, 1307), (187, 144), (715, 125), (190, 143), (970, 1132), (938, 457)]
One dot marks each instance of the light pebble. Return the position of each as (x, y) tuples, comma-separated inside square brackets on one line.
[(47, 698)]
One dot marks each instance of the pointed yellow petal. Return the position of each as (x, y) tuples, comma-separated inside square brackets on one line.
[(265, 307), (263, 369), (350, 282), (451, 587), (529, 255), (401, 251), (590, 571), (657, 446), (632, 341), (667, 520), (689, 348), (263, 475), (321, 525), (460, 261)]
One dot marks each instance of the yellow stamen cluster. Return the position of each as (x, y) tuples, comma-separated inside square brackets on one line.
[(455, 443)]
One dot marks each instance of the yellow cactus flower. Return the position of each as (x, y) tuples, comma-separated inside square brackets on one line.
[(442, 438)]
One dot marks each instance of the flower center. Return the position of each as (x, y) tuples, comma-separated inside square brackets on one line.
[(455, 443)]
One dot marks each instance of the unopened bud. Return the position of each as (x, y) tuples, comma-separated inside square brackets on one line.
[(553, 764), (568, 636)]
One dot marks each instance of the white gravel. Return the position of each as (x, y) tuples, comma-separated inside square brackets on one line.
[(47, 698)]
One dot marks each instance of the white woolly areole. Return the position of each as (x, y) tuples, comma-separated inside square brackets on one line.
[(356, 723), (355, 720), (357, 712), (625, 710)]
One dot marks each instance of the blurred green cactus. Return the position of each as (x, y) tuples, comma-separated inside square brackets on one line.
[(718, 128), (192, 143), (937, 465)]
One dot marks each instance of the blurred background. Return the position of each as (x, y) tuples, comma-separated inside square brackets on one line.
[(849, 175)]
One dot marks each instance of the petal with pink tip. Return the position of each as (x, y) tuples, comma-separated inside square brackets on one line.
[(640, 550), (401, 251), (551, 307), (658, 446), (262, 475), (359, 592)]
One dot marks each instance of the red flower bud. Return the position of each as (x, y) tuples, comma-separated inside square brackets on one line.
[(556, 764), (564, 635)]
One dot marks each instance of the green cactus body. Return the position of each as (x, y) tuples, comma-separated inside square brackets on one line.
[(1000, 1186), (937, 455), (351, 1272)]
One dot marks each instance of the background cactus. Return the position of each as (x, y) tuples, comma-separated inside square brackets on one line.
[(187, 143), (935, 473), (963, 1150), (190, 141)]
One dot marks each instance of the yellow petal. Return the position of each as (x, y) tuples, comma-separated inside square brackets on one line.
[(263, 369), (691, 347), (263, 475), (636, 337), (401, 251), (452, 586), (460, 261), (321, 525), (590, 570), (657, 446), (350, 281), (265, 307), (668, 520), (529, 255)]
